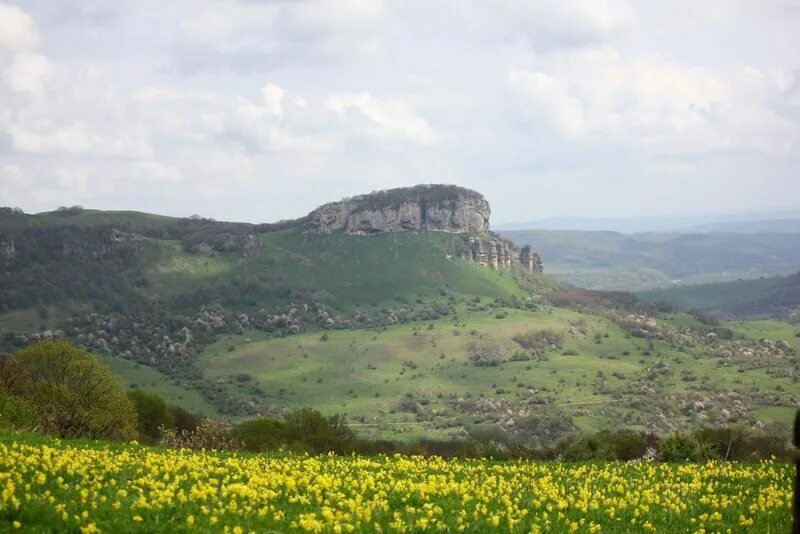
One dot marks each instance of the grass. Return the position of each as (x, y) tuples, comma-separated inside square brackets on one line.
[(368, 374), (136, 376), (51, 485), (376, 269), (86, 217)]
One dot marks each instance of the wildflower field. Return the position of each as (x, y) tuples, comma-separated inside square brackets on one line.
[(50, 485)]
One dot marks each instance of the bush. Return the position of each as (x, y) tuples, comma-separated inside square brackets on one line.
[(594, 447), (310, 430), (540, 340), (75, 395), (152, 412), (260, 434), (211, 434), (487, 354), (679, 448)]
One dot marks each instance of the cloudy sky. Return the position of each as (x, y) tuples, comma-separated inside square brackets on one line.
[(262, 109)]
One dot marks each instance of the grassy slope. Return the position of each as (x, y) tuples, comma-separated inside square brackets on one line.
[(86, 217), (351, 271), (610, 260), (145, 378), (374, 269), (362, 373)]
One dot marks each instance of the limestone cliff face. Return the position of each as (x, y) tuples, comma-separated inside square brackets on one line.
[(436, 208), (530, 259), (428, 207), (493, 253)]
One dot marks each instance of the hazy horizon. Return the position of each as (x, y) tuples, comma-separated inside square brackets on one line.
[(262, 110)]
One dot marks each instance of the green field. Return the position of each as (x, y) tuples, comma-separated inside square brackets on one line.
[(374, 375), (50, 485), (137, 376)]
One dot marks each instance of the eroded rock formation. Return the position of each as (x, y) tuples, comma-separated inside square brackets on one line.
[(530, 259), (494, 253), (438, 208)]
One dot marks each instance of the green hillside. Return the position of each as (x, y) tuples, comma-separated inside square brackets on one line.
[(638, 262), (764, 297), (393, 329)]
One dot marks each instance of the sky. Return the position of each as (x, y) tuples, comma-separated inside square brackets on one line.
[(260, 110)]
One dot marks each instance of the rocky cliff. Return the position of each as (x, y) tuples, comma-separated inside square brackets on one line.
[(530, 259), (438, 208), (441, 208)]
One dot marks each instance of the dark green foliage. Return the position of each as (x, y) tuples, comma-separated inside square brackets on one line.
[(679, 448), (184, 420), (261, 434), (152, 412), (609, 445), (309, 428), (764, 297), (423, 194), (594, 447)]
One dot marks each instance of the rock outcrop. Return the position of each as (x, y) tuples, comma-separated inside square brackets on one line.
[(530, 259), (494, 253), (439, 208)]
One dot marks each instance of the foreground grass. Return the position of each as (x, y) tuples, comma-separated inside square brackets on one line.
[(49, 485)]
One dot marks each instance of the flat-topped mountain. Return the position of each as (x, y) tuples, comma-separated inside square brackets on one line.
[(441, 208)]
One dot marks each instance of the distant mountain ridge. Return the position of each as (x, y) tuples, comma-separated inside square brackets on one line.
[(782, 221)]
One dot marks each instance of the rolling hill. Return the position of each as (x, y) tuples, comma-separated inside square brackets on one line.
[(638, 262), (763, 297), (399, 309)]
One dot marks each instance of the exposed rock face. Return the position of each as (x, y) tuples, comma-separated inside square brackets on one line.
[(492, 253), (530, 259), (427, 207), (438, 208)]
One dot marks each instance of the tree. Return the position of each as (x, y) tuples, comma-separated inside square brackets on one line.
[(152, 412), (260, 434), (16, 414), (311, 429), (75, 395)]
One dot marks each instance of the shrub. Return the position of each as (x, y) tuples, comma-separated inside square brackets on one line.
[(679, 448), (309, 429), (211, 434), (487, 354), (260, 434), (152, 412), (540, 340), (75, 395)]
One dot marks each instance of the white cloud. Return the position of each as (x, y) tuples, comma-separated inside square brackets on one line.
[(578, 103), (651, 101), (386, 119), (18, 31), (27, 73)]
